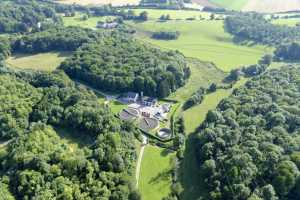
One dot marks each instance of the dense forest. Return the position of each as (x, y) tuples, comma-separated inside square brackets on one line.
[(288, 52), (58, 38), (254, 27), (25, 16), (248, 148), (37, 164), (119, 63)]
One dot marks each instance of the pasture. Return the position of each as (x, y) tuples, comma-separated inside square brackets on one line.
[(91, 22), (154, 14), (42, 61), (155, 177), (202, 39), (230, 4)]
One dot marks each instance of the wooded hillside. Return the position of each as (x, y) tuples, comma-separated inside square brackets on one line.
[(248, 148)]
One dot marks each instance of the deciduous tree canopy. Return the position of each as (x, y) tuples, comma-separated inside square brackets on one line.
[(248, 147)]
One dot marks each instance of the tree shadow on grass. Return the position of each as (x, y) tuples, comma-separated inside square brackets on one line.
[(166, 152), (191, 177), (161, 177)]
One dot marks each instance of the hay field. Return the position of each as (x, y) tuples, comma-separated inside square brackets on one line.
[(272, 5), (42, 61)]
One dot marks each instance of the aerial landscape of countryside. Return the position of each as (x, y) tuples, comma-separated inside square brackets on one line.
[(150, 100)]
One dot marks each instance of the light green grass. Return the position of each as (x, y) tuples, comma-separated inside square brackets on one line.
[(202, 75), (288, 22), (42, 61), (205, 40), (116, 106), (89, 23), (155, 179), (155, 14), (230, 4), (195, 116), (73, 139)]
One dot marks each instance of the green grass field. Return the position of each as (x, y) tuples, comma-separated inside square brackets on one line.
[(288, 22), (154, 14), (89, 23), (42, 61), (230, 4), (205, 40), (202, 75), (155, 179)]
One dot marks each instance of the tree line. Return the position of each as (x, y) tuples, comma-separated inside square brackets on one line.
[(254, 27), (248, 148)]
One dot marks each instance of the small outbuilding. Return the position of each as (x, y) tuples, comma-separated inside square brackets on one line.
[(130, 97)]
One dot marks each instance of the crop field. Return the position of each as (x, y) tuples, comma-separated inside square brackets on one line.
[(205, 40), (272, 5), (42, 61), (155, 178), (100, 2), (230, 4)]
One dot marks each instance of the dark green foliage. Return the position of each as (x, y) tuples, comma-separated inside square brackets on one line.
[(55, 39), (256, 28), (212, 88), (23, 16), (37, 164), (163, 4), (17, 99), (288, 52), (162, 35), (119, 63), (195, 99), (4, 48), (248, 147)]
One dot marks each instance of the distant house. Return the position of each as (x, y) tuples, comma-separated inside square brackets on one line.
[(107, 25), (149, 101), (130, 97)]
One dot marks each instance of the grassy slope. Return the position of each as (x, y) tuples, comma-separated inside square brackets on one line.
[(205, 40), (202, 75), (155, 177), (230, 4), (42, 61)]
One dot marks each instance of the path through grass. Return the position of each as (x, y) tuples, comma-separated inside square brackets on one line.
[(155, 179)]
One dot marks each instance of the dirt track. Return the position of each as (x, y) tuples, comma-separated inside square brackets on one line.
[(272, 5)]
